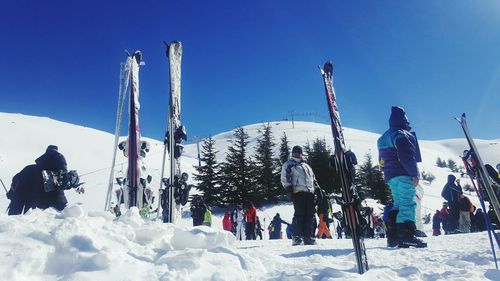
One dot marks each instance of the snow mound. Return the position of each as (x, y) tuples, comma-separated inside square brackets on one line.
[(72, 245), (201, 237)]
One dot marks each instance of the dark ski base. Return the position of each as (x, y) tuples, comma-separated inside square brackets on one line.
[(342, 162)]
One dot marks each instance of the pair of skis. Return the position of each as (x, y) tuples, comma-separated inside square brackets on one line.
[(129, 78), (168, 208), (476, 170), (341, 160)]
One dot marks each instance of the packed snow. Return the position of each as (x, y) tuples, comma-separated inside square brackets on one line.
[(86, 243)]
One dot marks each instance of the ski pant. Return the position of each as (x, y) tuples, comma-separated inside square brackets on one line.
[(464, 222), (403, 194), (239, 230), (250, 231), (453, 217), (323, 229), (303, 205)]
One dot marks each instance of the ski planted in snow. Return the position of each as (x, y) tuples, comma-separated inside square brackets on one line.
[(484, 188), (343, 162), (170, 188), (133, 173), (133, 190), (478, 167)]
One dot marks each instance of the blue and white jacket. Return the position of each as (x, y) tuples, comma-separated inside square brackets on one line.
[(398, 148)]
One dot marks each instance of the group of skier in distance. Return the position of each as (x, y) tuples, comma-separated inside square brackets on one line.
[(398, 157)]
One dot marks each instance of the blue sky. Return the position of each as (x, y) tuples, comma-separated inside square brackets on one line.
[(255, 61)]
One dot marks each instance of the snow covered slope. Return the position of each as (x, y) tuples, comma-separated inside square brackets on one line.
[(89, 151), (85, 243)]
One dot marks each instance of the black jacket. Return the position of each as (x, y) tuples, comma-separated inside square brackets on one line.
[(451, 192), (28, 185)]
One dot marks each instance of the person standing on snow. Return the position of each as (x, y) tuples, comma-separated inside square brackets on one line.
[(238, 217), (466, 208), (398, 157), (250, 215), (436, 223), (207, 217), (227, 224), (451, 192), (298, 180), (324, 209), (275, 227), (258, 228)]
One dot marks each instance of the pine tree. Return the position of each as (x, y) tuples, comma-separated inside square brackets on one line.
[(452, 165), (370, 181), (238, 172), (208, 174), (284, 149), (441, 163), (318, 158), (267, 183), (364, 176)]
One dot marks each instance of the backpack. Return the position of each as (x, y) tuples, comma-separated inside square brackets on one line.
[(60, 180)]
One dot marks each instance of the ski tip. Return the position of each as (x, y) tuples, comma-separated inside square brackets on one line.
[(138, 56), (461, 119), (328, 67), (127, 53), (166, 47), (321, 70)]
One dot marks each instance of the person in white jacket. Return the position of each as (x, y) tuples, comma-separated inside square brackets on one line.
[(238, 217), (298, 180)]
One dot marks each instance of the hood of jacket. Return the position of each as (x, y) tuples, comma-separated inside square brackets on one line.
[(398, 118)]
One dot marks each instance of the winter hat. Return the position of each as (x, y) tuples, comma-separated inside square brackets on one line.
[(398, 118), (451, 178), (52, 147), (297, 149)]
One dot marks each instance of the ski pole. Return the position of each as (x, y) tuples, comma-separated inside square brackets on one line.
[(4, 186)]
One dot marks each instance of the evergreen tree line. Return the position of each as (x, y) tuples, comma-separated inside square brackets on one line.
[(245, 178), (452, 165)]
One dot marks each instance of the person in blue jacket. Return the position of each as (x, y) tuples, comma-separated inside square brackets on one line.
[(398, 156)]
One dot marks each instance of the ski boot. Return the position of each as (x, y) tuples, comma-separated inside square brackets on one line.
[(296, 240), (406, 235), (392, 233), (309, 241)]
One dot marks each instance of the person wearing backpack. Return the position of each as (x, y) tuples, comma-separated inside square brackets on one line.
[(298, 180), (451, 192), (41, 185)]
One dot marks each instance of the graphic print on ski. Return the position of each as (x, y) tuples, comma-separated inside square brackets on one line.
[(167, 202), (350, 204), (482, 176)]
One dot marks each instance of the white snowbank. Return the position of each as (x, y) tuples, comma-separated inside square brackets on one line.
[(47, 245)]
